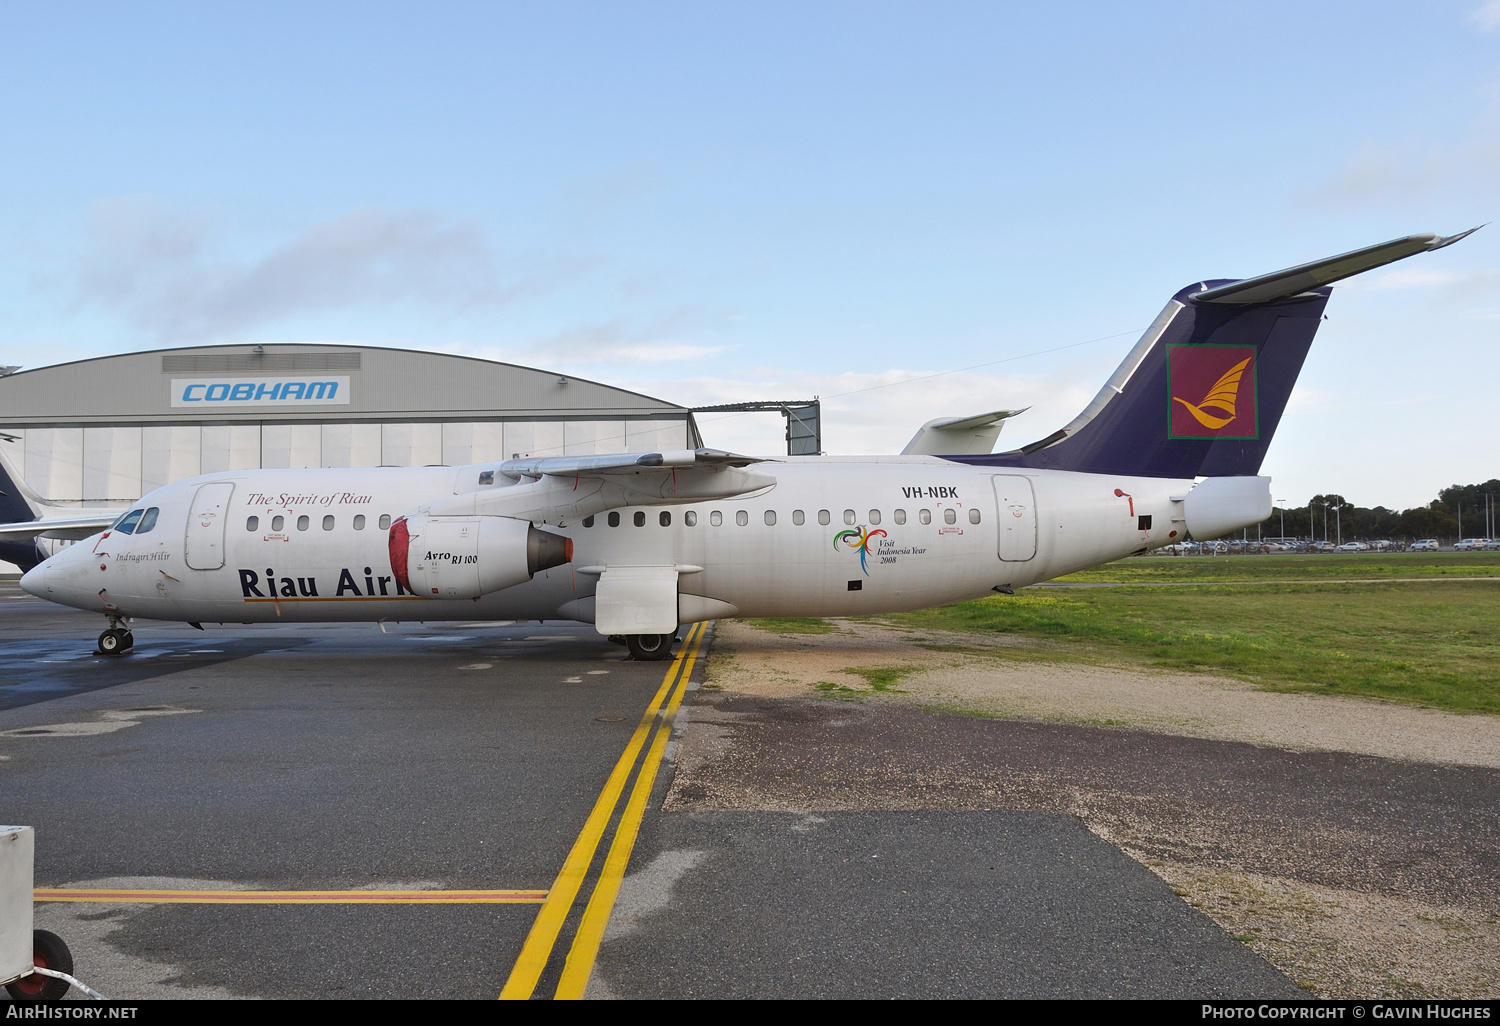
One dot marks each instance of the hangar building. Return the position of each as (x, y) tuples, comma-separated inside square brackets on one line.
[(107, 431)]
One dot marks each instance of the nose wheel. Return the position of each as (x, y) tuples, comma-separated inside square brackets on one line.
[(116, 642)]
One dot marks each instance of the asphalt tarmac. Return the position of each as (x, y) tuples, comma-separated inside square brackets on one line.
[(464, 757)]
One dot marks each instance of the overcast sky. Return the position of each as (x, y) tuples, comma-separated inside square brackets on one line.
[(715, 202)]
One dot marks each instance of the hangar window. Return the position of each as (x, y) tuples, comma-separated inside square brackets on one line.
[(924, 515), (614, 519), (359, 521), (899, 516), (328, 522), (302, 522), (950, 517), (874, 516), (849, 517), (973, 516), (126, 524), (664, 518), (149, 520), (385, 522), (770, 518), (798, 518), (588, 521), (823, 517), (252, 524), (639, 518), (742, 518), (690, 518), (277, 523), (716, 518)]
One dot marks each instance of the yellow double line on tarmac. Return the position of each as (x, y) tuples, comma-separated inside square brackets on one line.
[(554, 911)]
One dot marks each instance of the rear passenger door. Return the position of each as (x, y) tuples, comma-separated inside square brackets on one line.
[(1015, 502)]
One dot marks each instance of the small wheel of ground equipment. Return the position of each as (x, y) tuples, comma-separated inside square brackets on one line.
[(112, 642), (49, 952), (649, 647)]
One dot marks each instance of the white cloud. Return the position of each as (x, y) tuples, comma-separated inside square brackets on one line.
[(1411, 170), (1486, 16), (171, 272)]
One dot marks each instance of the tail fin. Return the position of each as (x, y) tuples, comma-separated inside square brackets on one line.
[(1203, 391), (16, 508)]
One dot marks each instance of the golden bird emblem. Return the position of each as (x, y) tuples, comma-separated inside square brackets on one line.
[(1220, 397)]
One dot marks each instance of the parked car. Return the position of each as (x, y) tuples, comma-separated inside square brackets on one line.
[(1470, 545), (1322, 546), (1425, 545), (1352, 546)]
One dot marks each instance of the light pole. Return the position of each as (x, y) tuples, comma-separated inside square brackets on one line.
[(1337, 527), (1283, 520)]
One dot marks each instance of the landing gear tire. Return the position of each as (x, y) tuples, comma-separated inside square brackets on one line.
[(650, 647), (49, 952), (115, 642)]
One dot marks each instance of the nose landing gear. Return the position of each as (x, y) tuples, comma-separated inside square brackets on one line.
[(117, 640)]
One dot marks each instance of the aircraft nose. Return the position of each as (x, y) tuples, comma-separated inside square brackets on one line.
[(34, 581)]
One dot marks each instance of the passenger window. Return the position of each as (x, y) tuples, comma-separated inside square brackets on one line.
[(252, 524), (742, 518), (614, 520), (149, 520), (874, 516), (302, 522), (950, 517), (588, 521), (639, 518), (126, 524), (899, 516), (385, 522), (690, 518), (924, 515), (359, 521), (849, 517), (716, 518), (798, 518), (973, 516), (328, 522), (665, 519), (277, 523), (770, 518), (823, 517)]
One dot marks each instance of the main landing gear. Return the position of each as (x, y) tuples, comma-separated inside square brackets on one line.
[(117, 640), (649, 647)]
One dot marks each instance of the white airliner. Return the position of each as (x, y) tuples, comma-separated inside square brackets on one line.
[(639, 544)]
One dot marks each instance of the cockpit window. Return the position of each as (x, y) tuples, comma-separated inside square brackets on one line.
[(126, 524), (149, 520)]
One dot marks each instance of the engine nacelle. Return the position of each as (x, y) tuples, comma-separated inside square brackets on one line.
[(466, 557)]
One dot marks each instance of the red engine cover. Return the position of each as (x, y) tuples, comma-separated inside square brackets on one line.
[(399, 541)]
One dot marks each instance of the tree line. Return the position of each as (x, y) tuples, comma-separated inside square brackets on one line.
[(1440, 518)]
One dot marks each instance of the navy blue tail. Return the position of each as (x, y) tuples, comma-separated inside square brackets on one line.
[(1202, 392), (15, 510), (1203, 399)]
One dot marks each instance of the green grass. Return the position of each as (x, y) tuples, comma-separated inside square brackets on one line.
[(880, 679), (1435, 644), (1361, 566), (793, 625)]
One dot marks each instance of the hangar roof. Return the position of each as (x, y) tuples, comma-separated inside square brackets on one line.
[(355, 383)]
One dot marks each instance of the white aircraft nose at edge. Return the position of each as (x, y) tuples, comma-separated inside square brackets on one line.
[(640, 543)]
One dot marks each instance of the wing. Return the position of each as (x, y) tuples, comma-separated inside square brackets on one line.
[(623, 463)]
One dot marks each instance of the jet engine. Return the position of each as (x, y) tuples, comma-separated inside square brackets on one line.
[(466, 557)]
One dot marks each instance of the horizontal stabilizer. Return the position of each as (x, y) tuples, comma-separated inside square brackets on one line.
[(61, 527), (1294, 280), (959, 436)]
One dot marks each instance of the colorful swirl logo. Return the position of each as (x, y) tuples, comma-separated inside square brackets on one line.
[(859, 539)]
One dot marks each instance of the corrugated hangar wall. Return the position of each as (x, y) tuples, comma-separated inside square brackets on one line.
[(110, 430)]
